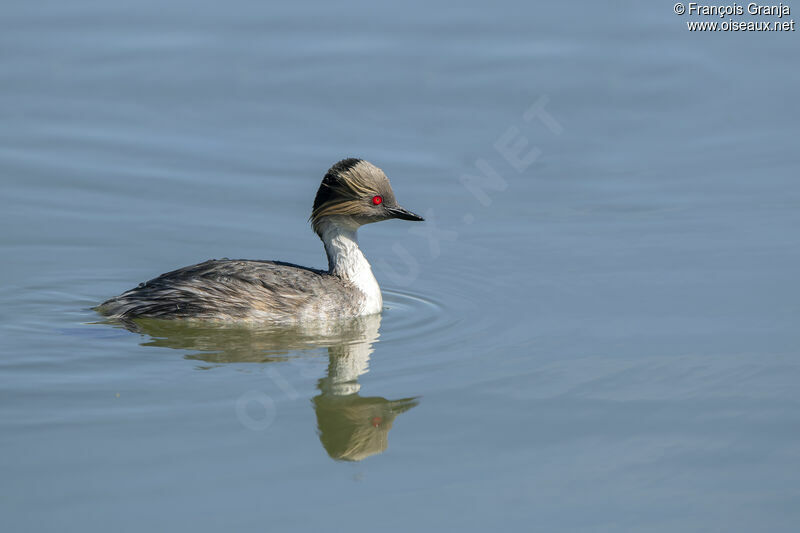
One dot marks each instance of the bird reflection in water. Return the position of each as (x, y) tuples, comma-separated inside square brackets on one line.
[(350, 427)]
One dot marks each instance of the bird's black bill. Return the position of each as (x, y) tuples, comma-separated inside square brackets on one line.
[(405, 214)]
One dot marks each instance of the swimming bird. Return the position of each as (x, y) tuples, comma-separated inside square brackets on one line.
[(353, 192)]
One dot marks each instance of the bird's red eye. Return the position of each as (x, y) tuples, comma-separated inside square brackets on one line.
[(377, 200)]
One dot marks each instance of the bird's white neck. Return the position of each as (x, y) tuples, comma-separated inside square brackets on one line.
[(346, 260)]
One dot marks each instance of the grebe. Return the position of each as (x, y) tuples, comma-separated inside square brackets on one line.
[(353, 193)]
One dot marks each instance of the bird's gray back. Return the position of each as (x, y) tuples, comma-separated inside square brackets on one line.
[(228, 289)]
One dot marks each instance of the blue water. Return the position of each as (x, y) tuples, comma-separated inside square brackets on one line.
[(595, 330)]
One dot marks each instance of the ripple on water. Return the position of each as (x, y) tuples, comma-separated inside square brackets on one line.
[(407, 315), (444, 314)]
